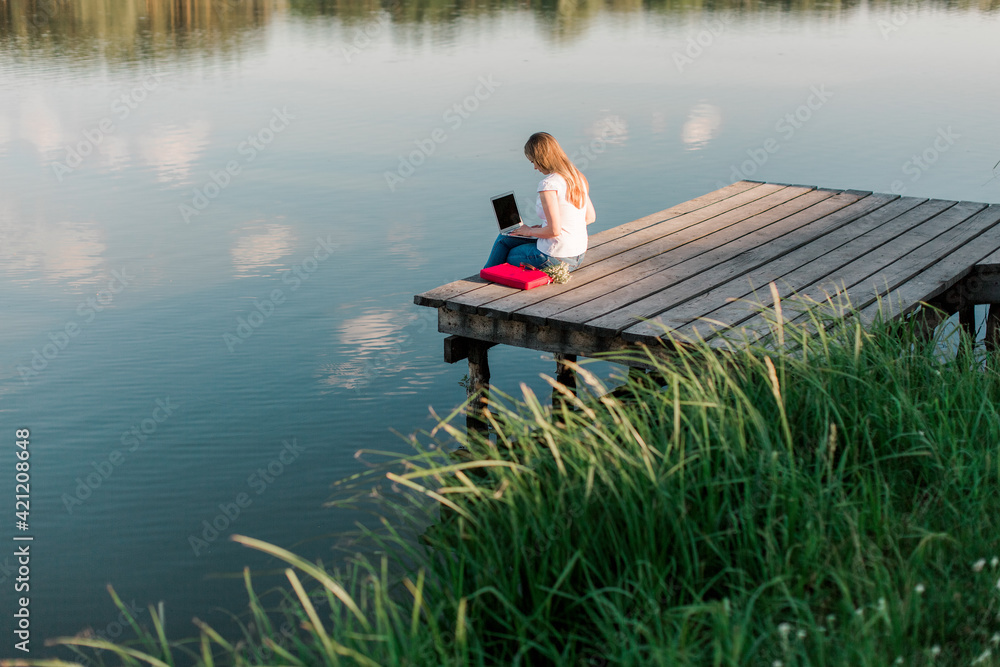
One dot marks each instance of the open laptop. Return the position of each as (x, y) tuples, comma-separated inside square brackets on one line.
[(505, 209)]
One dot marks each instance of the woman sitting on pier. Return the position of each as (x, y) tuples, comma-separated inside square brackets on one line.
[(563, 203)]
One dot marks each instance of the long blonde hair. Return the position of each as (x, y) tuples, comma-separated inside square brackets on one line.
[(546, 153)]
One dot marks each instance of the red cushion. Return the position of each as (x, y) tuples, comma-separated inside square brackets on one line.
[(515, 276)]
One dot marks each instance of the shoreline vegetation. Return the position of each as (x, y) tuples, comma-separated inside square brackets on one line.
[(127, 32), (829, 501)]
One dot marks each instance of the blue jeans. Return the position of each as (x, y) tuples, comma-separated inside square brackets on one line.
[(518, 250)]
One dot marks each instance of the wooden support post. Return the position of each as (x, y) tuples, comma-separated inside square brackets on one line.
[(993, 328), (565, 376), (926, 320), (479, 385), (456, 348), (564, 373), (967, 320)]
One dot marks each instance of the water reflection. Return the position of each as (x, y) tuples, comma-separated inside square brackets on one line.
[(130, 30), (609, 129), (39, 125), (702, 125), (403, 242), (261, 248), (5, 135), (172, 150), (374, 344), (69, 252), (94, 31)]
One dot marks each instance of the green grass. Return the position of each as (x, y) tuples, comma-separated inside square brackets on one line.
[(838, 504)]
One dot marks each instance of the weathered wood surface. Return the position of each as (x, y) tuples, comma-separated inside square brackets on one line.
[(896, 278), (868, 265), (704, 266), (438, 297)]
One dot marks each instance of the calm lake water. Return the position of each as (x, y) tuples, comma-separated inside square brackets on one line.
[(213, 220)]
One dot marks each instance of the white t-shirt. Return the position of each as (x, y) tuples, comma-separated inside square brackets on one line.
[(572, 239)]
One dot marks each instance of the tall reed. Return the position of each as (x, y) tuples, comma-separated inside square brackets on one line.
[(834, 500)]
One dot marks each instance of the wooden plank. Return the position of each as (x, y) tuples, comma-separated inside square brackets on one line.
[(624, 269), (967, 321), (714, 284), (853, 261), (714, 197), (815, 241), (457, 348), (695, 297), (874, 273), (993, 328), (471, 302), (981, 236), (991, 261), (915, 278), (437, 297), (534, 337)]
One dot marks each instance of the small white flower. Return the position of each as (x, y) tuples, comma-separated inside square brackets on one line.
[(830, 618), (994, 562), (784, 629), (919, 588), (935, 651), (995, 639), (881, 604), (983, 657), (979, 565), (801, 634), (899, 660), (859, 611), (777, 663)]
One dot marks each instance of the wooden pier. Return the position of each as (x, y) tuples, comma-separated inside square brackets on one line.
[(694, 268)]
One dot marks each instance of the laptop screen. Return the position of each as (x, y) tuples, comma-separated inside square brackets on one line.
[(505, 208)]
